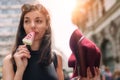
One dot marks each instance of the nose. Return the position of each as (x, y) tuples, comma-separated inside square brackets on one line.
[(33, 25)]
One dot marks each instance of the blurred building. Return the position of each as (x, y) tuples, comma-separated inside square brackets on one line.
[(9, 14), (99, 20)]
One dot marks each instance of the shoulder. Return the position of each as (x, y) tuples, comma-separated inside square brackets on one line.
[(59, 59), (7, 60), (7, 65), (58, 54), (59, 64), (7, 69)]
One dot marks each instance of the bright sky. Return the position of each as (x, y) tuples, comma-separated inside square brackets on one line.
[(62, 26)]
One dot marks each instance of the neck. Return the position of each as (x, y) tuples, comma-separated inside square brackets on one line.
[(35, 45)]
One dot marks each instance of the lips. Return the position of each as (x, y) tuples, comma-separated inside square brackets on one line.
[(36, 33)]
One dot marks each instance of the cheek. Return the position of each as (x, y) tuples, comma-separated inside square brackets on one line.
[(41, 32), (39, 35), (42, 29), (27, 29)]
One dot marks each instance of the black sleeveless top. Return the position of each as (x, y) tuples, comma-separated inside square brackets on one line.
[(35, 71)]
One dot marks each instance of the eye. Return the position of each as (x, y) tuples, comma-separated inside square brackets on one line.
[(38, 21), (26, 21)]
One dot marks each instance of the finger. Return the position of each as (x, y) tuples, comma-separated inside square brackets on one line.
[(19, 48), (24, 51), (23, 55), (97, 71), (25, 45), (89, 74), (23, 48)]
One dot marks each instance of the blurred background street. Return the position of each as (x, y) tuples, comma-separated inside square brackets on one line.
[(99, 20)]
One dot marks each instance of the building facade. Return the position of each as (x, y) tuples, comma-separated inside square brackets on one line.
[(99, 20), (9, 18)]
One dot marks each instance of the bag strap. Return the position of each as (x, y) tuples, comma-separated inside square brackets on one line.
[(55, 61)]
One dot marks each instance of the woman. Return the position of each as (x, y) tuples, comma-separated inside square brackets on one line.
[(33, 62)]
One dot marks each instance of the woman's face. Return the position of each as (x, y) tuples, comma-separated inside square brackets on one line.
[(35, 21)]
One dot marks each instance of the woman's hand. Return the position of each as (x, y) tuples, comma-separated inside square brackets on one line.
[(21, 57), (97, 74), (89, 75)]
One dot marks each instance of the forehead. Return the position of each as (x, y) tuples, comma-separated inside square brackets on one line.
[(34, 14)]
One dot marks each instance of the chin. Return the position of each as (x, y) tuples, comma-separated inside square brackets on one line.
[(37, 38)]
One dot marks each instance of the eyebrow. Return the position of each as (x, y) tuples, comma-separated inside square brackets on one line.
[(38, 18), (26, 17), (35, 18)]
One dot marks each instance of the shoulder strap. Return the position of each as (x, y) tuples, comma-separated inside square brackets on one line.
[(55, 61)]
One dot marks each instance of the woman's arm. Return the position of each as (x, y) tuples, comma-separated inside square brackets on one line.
[(21, 59), (59, 67), (7, 69), (8, 72)]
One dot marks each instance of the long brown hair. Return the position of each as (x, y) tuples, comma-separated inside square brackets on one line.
[(45, 46)]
